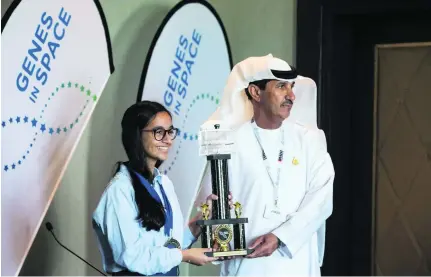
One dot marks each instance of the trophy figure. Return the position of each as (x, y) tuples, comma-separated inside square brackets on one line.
[(216, 145)]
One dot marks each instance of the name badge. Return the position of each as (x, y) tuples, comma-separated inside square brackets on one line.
[(273, 212)]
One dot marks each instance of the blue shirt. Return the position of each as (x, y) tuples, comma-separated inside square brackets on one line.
[(123, 243)]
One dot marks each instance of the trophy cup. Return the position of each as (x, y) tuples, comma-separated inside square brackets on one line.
[(216, 145)]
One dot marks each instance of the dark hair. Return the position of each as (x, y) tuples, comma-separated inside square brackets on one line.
[(151, 213), (260, 84)]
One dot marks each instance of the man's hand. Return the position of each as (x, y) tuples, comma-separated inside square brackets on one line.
[(213, 197), (264, 246), (209, 202)]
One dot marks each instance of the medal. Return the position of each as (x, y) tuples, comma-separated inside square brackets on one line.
[(172, 243)]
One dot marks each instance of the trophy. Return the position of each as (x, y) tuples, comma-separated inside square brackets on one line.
[(216, 145)]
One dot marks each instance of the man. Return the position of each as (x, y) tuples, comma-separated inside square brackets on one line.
[(280, 170)]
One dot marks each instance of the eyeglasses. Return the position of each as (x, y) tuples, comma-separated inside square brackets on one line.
[(160, 133)]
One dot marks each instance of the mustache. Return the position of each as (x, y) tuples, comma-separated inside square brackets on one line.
[(287, 102)]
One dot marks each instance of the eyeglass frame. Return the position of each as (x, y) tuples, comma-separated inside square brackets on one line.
[(155, 129)]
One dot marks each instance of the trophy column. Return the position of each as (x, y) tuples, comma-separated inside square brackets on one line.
[(220, 185)]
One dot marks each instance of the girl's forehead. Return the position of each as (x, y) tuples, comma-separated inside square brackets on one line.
[(161, 119)]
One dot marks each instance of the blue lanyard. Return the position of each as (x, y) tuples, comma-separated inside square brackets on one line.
[(169, 213), (280, 160)]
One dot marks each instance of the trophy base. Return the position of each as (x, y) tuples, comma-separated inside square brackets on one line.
[(217, 254)]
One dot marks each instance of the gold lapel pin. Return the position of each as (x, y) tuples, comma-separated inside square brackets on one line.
[(295, 161)]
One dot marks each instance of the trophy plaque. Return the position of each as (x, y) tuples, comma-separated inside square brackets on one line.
[(216, 145)]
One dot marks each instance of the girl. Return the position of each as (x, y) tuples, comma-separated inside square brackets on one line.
[(138, 221)]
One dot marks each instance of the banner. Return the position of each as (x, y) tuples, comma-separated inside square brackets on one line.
[(186, 70), (56, 60)]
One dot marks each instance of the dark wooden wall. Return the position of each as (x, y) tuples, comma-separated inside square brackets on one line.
[(335, 47)]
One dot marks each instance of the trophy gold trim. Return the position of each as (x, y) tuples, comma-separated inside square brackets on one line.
[(205, 211), (238, 209)]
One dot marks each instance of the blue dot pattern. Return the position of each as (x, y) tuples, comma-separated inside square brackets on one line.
[(41, 127), (190, 136)]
